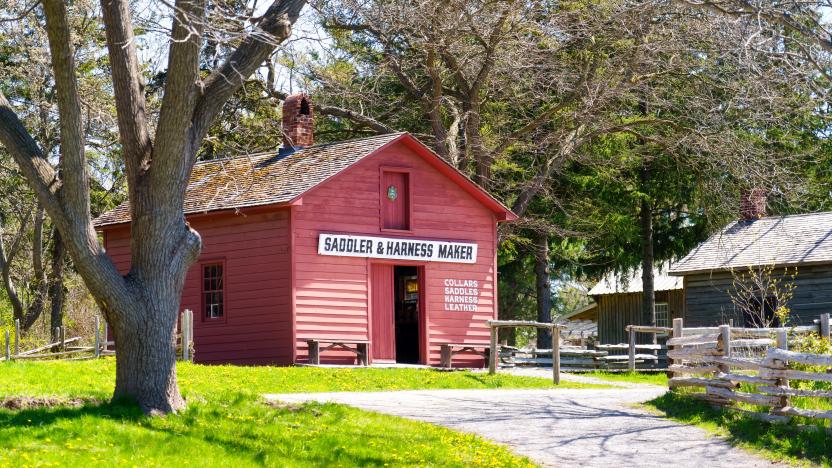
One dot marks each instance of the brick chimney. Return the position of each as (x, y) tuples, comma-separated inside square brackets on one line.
[(297, 122), (752, 204)]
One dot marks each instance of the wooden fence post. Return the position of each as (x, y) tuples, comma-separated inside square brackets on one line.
[(725, 345), (16, 337), (782, 343), (191, 335), (63, 338), (182, 333), (555, 355), (8, 349), (187, 334), (97, 351), (678, 330), (185, 345), (492, 354), (631, 362), (824, 326)]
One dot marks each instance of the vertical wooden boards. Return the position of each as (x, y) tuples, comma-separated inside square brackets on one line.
[(395, 200), (383, 312)]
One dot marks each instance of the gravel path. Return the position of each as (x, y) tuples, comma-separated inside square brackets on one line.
[(588, 428)]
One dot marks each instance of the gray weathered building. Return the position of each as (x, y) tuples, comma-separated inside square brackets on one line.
[(794, 249)]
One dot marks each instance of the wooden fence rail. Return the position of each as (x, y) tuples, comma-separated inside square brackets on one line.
[(715, 361), (494, 350), (61, 348)]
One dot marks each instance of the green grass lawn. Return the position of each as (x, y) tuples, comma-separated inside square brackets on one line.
[(779, 442), (648, 378), (227, 423)]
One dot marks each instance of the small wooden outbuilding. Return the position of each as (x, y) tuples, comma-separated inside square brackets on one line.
[(376, 240), (619, 299)]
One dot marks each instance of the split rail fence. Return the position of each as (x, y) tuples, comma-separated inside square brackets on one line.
[(72, 349), (752, 366)]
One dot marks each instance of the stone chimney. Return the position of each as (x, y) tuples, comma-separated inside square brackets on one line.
[(297, 122), (752, 204)]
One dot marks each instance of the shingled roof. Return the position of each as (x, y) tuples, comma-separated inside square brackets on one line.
[(630, 281), (777, 241), (270, 178)]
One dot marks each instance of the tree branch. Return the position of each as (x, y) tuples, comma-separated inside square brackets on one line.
[(275, 26), (29, 158), (781, 17), (170, 162), (129, 99), (335, 111), (75, 190)]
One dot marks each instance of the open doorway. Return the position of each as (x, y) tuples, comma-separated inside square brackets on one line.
[(406, 313)]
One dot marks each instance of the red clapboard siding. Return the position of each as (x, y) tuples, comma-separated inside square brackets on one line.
[(279, 292), (351, 203), (255, 250)]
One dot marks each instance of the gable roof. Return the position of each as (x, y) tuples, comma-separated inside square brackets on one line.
[(578, 311), (270, 179), (630, 282), (771, 241)]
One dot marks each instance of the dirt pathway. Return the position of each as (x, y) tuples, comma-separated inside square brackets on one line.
[(588, 428)]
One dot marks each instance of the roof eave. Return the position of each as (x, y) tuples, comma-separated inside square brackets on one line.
[(723, 269), (192, 214)]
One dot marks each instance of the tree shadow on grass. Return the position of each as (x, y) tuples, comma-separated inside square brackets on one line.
[(262, 444), (45, 415), (780, 439)]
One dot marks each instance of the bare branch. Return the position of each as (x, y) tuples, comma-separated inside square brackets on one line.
[(274, 27), (75, 190), (129, 99)]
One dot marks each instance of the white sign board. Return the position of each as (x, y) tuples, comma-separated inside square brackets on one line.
[(343, 245)]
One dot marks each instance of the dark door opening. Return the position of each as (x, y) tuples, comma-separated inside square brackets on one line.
[(406, 280)]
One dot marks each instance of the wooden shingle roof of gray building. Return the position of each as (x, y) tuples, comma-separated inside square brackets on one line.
[(771, 241), (630, 281)]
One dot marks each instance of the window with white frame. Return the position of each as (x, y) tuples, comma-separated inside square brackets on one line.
[(213, 302), (662, 315)]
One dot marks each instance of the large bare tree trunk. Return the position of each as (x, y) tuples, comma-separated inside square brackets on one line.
[(142, 306), (146, 354), (544, 289), (648, 301)]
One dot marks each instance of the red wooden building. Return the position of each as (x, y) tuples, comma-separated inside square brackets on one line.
[(374, 239)]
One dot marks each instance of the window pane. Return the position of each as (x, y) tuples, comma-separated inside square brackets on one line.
[(662, 319), (212, 293)]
